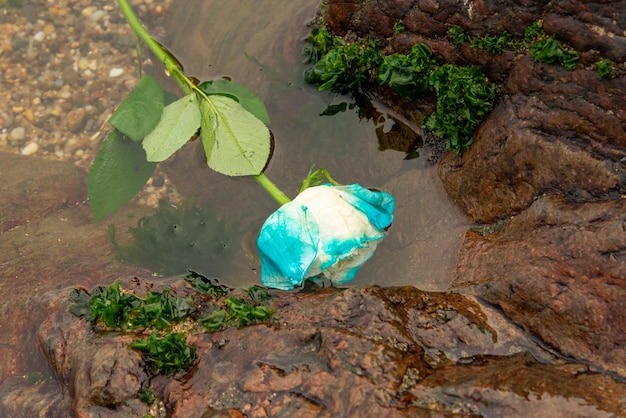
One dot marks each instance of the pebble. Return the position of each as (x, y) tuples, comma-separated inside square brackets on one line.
[(57, 81), (55, 110), (30, 149), (29, 115), (39, 36), (17, 134), (48, 29), (88, 11), (97, 15), (116, 72), (83, 63), (76, 119)]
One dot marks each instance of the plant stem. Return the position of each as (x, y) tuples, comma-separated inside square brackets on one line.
[(271, 188), (170, 63)]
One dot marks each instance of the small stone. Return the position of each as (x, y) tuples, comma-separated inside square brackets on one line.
[(17, 134), (116, 72), (158, 181), (55, 111), (28, 114), (80, 97), (97, 15), (48, 29), (76, 120), (30, 149), (88, 11), (39, 36), (83, 64), (70, 75)]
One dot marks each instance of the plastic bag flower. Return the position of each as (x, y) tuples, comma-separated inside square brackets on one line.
[(326, 229)]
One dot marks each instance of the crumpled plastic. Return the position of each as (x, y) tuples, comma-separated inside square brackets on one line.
[(326, 230)]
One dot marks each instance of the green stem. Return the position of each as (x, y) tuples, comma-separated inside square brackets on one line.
[(175, 70), (271, 188), (170, 63)]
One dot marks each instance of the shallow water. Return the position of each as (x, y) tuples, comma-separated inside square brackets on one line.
[(263, 48)]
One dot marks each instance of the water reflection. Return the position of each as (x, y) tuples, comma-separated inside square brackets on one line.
[(262, 48)]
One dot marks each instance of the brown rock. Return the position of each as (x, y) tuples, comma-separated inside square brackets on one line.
[(100, 376), (558, 270), (511, 385), (432, 18), (555, 131), (40, 395), (32, 187), (339, 14), (371, 352), (590, 25), (47, 242), (552, 129)]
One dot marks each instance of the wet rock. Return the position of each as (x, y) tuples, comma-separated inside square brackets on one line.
[(551, 129), (25, 398), (558, 270), (33, 187), (47, 242), (556, 267), (428, 22), (431, 18), (554, 130), (370, 352), (590, 25), (509, 387), (102, 376)]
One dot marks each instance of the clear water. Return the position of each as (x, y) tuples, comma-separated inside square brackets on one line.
[(260, 45)]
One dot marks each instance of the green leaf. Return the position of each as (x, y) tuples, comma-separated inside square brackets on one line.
[(140, 112), (215, 321), (334, 109), (236, 143), (205, 285), (246, 98), (605, 69), (168, 354), (179, 122), (118, 172)]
